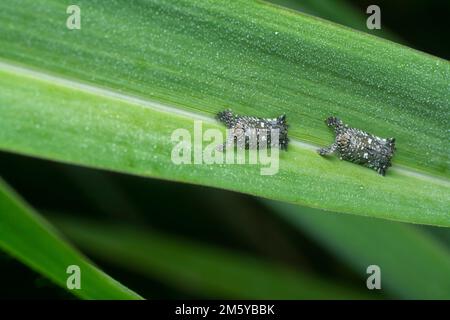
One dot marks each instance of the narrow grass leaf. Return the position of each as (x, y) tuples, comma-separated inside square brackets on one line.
[(201, 269), (29, 238)]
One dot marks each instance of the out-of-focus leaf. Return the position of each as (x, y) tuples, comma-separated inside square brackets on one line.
[(413, 264), (205, 270), (26, 236)]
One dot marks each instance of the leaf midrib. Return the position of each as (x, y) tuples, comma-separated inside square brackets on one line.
[(33, 73)]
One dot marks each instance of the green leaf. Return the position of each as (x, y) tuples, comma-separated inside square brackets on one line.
[(198, 268), (28, 237), (339, 11), (139, 71), (413, 264)]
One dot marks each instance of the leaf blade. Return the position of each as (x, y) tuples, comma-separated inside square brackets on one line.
[(201, 268), (142, 146), (318, 69), (31, 239)]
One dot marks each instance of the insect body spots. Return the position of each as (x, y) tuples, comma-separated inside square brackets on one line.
[(254, 132), (360, 147)]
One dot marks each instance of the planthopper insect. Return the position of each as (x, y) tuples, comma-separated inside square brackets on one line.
[(360, 147), (252, 131)]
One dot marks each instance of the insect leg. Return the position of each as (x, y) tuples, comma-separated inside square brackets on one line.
[(381, 171), (228, 143), (327, 150)]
